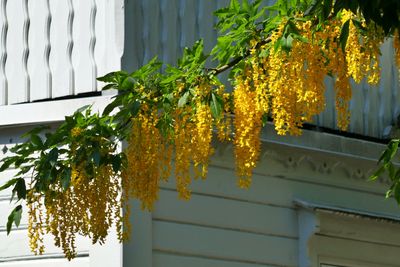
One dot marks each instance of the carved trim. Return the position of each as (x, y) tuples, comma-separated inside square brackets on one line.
[(3, 53), (70, 47), (25, 52), (92, 43), (305, 163), (47, 49)]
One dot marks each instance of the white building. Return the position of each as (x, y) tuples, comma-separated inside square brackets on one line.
[(310, 203)]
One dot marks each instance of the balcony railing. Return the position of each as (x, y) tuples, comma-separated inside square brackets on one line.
[(51, 49)]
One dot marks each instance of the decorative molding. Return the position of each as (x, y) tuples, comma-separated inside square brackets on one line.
[(47, 49), (92, 43), (25, 50), (308, 164), (3, 53), (70, 47)]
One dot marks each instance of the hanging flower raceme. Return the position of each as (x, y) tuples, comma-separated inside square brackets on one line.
[(247, 124), (84, 198)]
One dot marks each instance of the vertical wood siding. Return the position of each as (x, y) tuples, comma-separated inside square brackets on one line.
[(164, 28), (51, 49)]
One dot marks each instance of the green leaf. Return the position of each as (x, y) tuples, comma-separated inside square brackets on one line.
[(14, 217), (216, 105), (183, 100), (53, 156), (344, 35), (9, 183), (377, 173), (20, 189), (134, 108), (36, 141), (127, 83), (66, 178), (7, 162), (110, 107), (287, 43), (234, 5)]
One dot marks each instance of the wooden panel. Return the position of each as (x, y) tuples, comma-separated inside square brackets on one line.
[(17, 51), (61, 47), (224, 244), (84, 42), (16, 245), (151, 25), (187, 17), (39, 49), (161, 259), (3, 52), (283, 190), (227, 213), (373, 254), (358, 228), (78, 262), (170, 31)]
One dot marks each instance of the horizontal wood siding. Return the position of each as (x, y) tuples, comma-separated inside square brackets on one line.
[(210, 242), (51, 262), (223, 225)]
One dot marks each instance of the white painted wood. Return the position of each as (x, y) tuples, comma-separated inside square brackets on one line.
[(39, 49), (224, 244), (22, 114), (3, 52), (161, 259), (358, 228), (373, 254), (282, 190), (78, 262), (226, 213), (16, 245), (108, 254), (62, 13), (17, 51), (138, 250), (83, 33), (170, 32), (151, 25)]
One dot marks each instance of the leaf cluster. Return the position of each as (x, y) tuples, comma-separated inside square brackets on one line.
[(47, 157)]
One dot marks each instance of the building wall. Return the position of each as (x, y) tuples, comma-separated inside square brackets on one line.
[(223, 225)]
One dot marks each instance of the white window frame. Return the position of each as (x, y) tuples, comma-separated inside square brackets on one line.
[(342, 237)]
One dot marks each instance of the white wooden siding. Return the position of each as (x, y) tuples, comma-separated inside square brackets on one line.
[(51, 49), (223, 225)]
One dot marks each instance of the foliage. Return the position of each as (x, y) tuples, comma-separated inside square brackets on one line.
[(278, 57)]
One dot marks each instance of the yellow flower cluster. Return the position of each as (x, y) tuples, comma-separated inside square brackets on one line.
[(192, 140), (90, 206), (249, 106), (149, 153), (362, 51), (146, 154)]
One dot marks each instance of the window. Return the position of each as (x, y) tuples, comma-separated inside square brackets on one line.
[(337, 237)]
